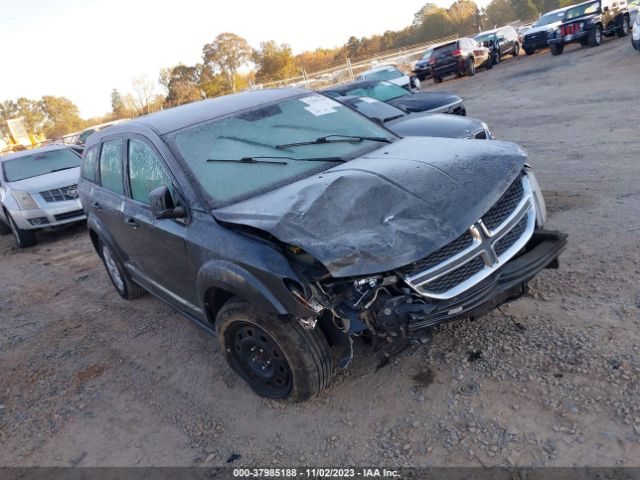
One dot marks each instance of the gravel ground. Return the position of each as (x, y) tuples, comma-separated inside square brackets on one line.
[(552, 379)]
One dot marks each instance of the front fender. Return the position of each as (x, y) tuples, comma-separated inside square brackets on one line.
[(272, 296)]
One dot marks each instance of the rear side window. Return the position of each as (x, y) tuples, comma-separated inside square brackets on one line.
[(146, 171), (111, 166), (90, 164)]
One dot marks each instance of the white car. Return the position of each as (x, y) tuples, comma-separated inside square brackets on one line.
[(634, 8), (635, 37), (39, 189), (391, 74)]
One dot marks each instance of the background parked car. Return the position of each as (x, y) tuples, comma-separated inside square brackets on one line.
[(39, 189), (434, 102), (588, 22), (418, 124), (522, 30), (81, 139), (393, 75), (635, 38), (422, 68), (501, 41), (536, 37), (634, 7), (460, 57)]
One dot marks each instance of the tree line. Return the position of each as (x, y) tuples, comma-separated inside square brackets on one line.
[(229, 64)]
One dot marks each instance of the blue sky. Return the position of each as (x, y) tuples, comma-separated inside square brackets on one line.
[(84, 49)]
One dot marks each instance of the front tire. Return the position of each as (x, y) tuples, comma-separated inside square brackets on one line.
[(489, 64), (437, 79), (624, 27), (529, 51), (4, 228), (123, 284), (24, 238), (556, 49), (278, 358), (595, 36), (516, 50)]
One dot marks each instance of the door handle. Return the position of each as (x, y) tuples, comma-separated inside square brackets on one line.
[(131, 222), (96, 205)]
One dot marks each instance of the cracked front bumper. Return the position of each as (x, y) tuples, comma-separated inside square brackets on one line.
[(506, 284)]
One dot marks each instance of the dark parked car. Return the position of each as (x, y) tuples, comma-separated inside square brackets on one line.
[(422, 68), (460, 57), (418, 124), (290, 225), (500, 41), (586, 23), (536, 37), (434, 102)]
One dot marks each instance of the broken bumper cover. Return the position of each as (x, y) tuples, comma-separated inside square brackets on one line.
[(506, 284)]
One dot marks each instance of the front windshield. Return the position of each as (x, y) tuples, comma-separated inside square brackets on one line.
[(39, 164), (485, 39), (550, 18), (386, 74), (427, 54), (382, 91), (581, 10), (372, 108), (258, 132)]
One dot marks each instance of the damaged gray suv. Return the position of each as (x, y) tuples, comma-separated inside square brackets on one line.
[(290, 225)]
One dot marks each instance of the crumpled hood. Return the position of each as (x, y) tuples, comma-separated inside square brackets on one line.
[(424, 101), (386, 209)]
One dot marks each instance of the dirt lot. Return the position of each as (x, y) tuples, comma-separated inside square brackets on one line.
[(89, 379)]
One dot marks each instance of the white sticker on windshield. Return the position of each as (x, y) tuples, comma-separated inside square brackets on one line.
[(319, 105), (369, 100)]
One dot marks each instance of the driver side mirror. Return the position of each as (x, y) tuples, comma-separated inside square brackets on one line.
[(162, 205)]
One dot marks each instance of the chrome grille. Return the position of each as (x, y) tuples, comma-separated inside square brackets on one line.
[(450, 280), (484, 248), (62, 194), (510, 238), (458, 245), (504, 206)]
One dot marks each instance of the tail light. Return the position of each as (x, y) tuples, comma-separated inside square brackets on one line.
[(432, 61), (456, 53)]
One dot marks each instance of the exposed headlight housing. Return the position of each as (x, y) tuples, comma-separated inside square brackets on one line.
[(541, 207), (24, 200)]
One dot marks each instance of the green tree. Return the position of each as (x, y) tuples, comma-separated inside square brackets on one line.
[(181, 84), (118, 107), (274, 62), (61, 116), (224, 56), (500, 12), (525, 9)]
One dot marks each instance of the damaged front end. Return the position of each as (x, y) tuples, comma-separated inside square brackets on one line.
[(488, 264)]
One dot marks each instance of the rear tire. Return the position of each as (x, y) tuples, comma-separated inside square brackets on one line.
[(470, 69), (121, 281), (277, 358), (4, 228), (529, 51), (495, 58), (437, 79), (595, 36), (24, 238), (556, 49), (624, 27)]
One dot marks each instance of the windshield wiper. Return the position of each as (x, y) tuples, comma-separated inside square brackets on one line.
[(60, 169), (264, 159), (341, 138), (394, 117)]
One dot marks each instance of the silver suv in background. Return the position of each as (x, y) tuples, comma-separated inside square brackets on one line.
[(39, 189)]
